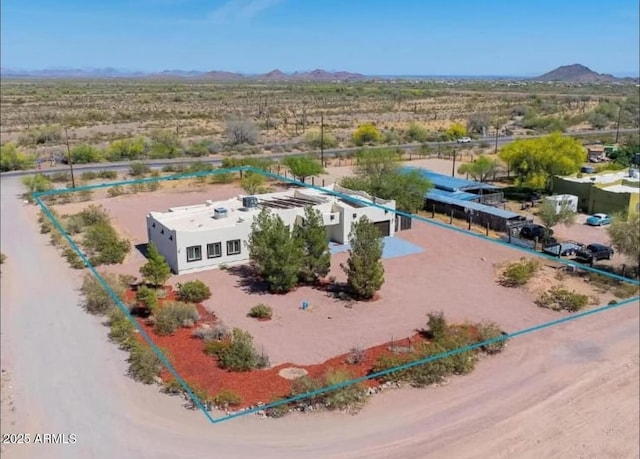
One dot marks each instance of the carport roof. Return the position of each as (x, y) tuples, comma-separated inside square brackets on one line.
[(476, 206), (462, 195), (447, 183)]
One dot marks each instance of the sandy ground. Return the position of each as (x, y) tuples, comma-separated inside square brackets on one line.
[(570, 391)]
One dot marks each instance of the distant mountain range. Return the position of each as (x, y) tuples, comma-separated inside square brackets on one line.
[(575, 73), (215, 75)]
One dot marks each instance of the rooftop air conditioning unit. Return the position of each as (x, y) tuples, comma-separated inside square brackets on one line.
[(249, 202), (220, 212)]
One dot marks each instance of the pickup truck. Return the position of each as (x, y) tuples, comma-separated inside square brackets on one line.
[(563, 249)]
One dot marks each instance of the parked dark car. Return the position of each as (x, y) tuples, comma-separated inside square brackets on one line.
[(532, 231), (565, 249), (595, 252)]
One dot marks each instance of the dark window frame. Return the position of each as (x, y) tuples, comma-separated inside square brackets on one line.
[(234, 241), (199, 253), (212, 245)]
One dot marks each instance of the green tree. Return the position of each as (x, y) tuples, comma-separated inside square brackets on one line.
[(626, 154), (367, 133), (85, 154), (302, 166), (252, 182), (156, 270), (274, 252), (312, 234), (536, 161), (550, 215), (378, 172), (126, 149), (164, 144), (12, 158), (455, 131), (364, 269), (625, 236), (481, 168)]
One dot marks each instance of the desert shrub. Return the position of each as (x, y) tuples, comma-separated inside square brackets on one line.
[(279, 410), (73, 258), (432, 372), (173, 315), (61, 177), (3, 258), (121, 329), (194, 292), (242, 132), (144, 364), (356, 355), (96, 299), (103, 246), (366, 133), (490, 330), (152, 186), (216, 348), (305, 385), (138, 169), (437, 326), (224, 177), (115, 191), (208, 333), (240, 355), (558, 298), (227, 398), (352, 396), (111, 175), (519, 273), (460, 363), (84, 195), (387, 362), (173, 387), (261, 311), (148, 297), (202, 395)]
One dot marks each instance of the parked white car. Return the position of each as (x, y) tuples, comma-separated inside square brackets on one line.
[(464, 140)]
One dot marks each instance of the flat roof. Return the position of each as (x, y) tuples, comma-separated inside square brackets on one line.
[(448, 183), (602, 178), (202, 216), (501, 213), (622, 189), (462, 195)]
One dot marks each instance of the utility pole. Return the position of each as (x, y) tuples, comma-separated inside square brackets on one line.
[(497, 133), (618, 124), (453, 167), (322, 139), (70, 159)]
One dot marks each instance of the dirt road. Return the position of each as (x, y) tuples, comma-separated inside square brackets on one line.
[(571, 391)]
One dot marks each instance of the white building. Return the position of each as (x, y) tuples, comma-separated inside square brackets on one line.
[(205, 236)]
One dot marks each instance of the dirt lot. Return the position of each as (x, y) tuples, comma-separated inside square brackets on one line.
[(455, 273), (566, 392)]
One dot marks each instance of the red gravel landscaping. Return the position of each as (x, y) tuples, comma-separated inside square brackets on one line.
[(186, 354)]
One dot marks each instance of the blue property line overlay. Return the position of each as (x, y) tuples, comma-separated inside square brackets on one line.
[(428, 359)]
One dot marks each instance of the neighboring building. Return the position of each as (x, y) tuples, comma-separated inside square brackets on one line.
[(559, 200), (205, 236), (468, 199), (596, 153), (606, 193)]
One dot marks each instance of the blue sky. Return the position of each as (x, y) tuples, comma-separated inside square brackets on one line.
[(375, 37)]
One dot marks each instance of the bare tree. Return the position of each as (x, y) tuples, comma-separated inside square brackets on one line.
[(241, 131)]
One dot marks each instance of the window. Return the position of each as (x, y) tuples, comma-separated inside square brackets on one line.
[(194, 253), (233, 247), (214, 250)]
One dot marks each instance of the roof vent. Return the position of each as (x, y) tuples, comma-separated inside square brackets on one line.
[(220, 212)]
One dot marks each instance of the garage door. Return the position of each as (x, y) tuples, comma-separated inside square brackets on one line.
[(384, 227)]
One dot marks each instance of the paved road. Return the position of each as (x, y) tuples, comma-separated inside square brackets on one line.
[(67, 378), (217, 159)]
